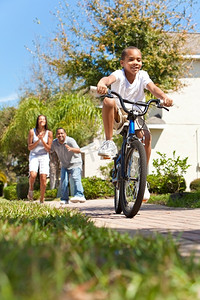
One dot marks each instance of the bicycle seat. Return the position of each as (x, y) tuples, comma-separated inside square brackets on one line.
[(119, 130)]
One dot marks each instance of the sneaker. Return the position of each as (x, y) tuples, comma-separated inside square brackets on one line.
[(108, 149), (62, 202), (146, 195), (76, 199)]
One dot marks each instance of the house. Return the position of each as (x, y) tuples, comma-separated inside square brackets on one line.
[(178, 129)]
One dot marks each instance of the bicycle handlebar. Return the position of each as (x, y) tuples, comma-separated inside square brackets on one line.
[(158, 102)]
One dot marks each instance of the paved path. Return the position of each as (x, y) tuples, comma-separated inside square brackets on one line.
[(183, 224)]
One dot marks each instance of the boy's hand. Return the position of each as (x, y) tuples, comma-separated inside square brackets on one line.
[(167, 102), (102, 88)]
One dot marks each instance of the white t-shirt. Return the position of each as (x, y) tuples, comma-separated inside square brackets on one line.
[(133, 92)]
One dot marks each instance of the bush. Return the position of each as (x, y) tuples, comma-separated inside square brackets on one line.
[(95, 187), (10, 192), (195, 185), (168, 177), (51, 193), (164, 184), (22, 187), (1, 188)]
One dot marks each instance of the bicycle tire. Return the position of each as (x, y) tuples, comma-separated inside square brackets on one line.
[(117, 203), (134, 182), (115, 175)]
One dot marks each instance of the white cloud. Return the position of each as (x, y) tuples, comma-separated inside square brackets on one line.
[(11, 97)]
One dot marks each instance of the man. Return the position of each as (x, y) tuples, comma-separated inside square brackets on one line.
[(69, 155)]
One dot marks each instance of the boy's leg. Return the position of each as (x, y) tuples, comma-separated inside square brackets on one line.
[(147, 136), (109, 113)]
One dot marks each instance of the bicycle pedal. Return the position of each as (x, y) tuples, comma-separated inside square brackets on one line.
[(106, 157)]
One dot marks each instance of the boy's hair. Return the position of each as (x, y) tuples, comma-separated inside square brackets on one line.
[(124, 52)]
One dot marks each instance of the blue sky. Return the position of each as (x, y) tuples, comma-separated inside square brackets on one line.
[(18, 29)]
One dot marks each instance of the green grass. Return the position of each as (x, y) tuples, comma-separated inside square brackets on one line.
[(46, 253), (186, 199)]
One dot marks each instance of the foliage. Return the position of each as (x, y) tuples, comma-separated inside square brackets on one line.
[(3, 177), (163, 184), (184, 200), (101, 264), (95, 187), (168, 177), (92, 40), (10, 192), (22, 187), (106, 171), (49, 194), (195, 185), (75, 112)]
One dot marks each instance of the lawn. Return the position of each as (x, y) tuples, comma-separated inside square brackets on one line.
[(48, 253)]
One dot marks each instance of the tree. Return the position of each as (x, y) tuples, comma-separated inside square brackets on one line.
[(94, 51)]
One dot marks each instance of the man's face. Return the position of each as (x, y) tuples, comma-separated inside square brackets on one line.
[(61, 135)]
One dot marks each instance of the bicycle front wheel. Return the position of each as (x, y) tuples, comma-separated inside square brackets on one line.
[(134, 182)]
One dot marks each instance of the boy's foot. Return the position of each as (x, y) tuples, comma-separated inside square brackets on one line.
[(76, 199), (108, 149), (146, 195)]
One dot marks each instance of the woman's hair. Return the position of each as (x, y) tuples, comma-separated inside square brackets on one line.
[(37, 125), (124, 52)]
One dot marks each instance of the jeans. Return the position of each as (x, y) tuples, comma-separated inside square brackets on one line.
[(75, 182)]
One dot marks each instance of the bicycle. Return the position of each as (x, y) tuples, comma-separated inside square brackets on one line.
[(130, 166)]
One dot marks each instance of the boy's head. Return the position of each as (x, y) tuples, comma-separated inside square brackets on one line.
[(131, 59), (126, 50)]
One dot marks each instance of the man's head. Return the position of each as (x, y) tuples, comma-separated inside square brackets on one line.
[(61, 134)]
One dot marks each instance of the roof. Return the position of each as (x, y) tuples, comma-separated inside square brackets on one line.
[(193, 43)]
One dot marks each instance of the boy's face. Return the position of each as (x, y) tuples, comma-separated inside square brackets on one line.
[(132, 62)]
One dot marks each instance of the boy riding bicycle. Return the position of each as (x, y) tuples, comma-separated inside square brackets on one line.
[(130, 83)]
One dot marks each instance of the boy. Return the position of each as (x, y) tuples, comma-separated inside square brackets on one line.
[(130, 83)]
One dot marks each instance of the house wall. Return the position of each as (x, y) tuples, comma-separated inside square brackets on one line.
[(182, 129), (91, 160)]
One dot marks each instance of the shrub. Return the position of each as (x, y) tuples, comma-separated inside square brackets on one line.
[(95, 187), (10, 192), (165, 184), (195, 185), (1, 188), (168, 177), (51, 193), (22, 187)]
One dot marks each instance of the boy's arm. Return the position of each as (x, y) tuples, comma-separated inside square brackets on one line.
[(104, 83), (158, 93)]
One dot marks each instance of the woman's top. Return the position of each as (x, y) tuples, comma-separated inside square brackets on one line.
[(39, 149)]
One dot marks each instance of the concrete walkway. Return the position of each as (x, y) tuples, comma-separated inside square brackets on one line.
[(183, 224)]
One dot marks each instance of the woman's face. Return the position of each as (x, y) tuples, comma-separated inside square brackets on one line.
[(42, 121)]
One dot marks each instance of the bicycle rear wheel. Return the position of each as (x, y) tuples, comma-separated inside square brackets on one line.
[(134, 182)]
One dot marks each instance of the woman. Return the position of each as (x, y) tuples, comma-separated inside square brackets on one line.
[(39, 144)]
